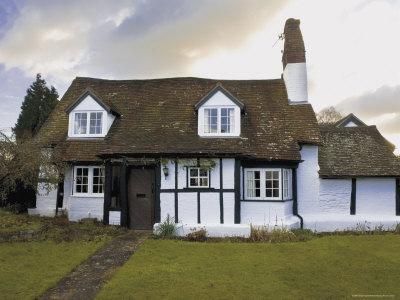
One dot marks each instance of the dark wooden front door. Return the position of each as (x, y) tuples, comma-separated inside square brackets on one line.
[(141, 198)]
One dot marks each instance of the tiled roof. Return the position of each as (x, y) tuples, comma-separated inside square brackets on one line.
[(355, 152), (158, 117)]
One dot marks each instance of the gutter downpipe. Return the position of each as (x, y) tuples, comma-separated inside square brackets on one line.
[(295, 204)]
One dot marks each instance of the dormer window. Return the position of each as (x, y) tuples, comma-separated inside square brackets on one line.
[(89, 117), (219, 120), (82, 123), (219, 114)]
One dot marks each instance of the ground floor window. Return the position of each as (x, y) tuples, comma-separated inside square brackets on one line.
[(267, 184), (89, 180), (199, 177)]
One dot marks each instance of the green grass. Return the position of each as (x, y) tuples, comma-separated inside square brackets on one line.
[(28, 269), (326, 267), (10, 222)]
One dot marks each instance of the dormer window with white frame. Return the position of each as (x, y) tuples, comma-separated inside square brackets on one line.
[(219, 120), (219, 114), (89, 117)]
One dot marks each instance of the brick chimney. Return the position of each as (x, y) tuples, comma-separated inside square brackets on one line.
[(294, 63)]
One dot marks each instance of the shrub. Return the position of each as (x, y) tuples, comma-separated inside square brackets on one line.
[(197, 235), (276, 235), (167, 229), (397, 228)]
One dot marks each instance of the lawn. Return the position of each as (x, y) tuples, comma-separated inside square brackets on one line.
[(325, 267), (28, 269), (29, 266)]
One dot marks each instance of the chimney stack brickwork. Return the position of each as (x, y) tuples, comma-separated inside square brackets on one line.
[(294, 63)]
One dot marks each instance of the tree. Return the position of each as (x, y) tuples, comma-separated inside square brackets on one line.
[(36, 107), (329, 115), (21, 160)]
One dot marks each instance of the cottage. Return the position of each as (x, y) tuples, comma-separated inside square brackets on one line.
[(220, 154)]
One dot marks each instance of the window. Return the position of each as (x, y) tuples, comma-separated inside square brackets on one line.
[(89, 180), (198, 177), (95, 122), (88, 123), (219, 121), (267, 184), (80, 123)]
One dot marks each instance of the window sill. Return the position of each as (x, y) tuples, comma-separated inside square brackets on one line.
[(88, 195), (198, 189), (265, 200)]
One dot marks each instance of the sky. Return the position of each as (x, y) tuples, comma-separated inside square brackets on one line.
[(352, 47)]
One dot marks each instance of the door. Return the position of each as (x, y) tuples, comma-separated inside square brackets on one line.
[(141, 198)]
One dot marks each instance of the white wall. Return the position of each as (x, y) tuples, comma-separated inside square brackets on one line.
[(335, 196), (295, 76), (167, 206), (46, 200), (228, 166), (229, 208), (187, 208), (376, 196), (308, 180), (209, 208), (265, 213)]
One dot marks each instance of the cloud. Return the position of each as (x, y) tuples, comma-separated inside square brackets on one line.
[(384, 100), (132, 39)]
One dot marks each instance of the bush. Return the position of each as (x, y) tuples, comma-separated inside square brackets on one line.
[(397, 229), (167, 229), (197, 235), (280, 234)]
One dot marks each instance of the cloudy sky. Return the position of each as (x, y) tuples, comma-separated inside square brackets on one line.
[(353, 47)]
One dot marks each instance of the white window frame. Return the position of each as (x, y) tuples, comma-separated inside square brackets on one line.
[(233, 125), (262, 184), (198, 177), (90, 182), (88, 134)]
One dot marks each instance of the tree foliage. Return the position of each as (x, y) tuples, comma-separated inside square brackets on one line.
[(36, 107), (329, 115), (21, 160)]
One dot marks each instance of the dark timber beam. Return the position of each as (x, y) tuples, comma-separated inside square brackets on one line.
[(107, 191), (397, 196), (124, 195), (353, 196), (237, 191)]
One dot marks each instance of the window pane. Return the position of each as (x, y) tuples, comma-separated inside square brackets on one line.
[(194, 172), (268, 193), (204, 182), (194, 182), (276, 193), (203, 172), (80, 123)]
